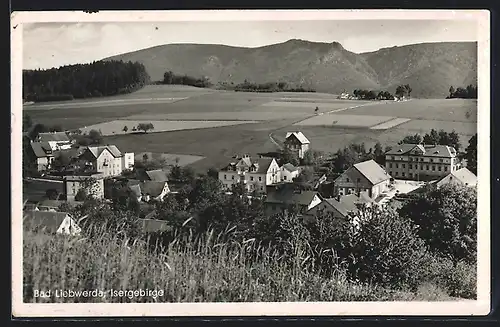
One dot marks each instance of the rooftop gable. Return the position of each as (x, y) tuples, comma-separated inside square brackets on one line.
[(299, 136), (53, 137), (423, 149), (372, 171)]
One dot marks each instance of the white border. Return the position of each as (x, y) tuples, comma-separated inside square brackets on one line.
[(461, 308)]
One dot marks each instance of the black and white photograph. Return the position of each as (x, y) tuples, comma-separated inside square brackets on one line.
[(189, 162)]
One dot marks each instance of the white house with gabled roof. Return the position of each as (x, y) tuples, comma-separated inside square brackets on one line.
[(297, 142)]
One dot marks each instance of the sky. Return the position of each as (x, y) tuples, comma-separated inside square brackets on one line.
[(47, 45)]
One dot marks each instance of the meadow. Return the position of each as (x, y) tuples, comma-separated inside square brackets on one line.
[(219, 124), (204, 269)]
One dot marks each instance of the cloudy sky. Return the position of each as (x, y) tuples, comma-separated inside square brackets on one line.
[(54, 44)]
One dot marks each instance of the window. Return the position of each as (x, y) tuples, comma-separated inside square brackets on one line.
[(390, 172), (433, 167), (251, 178), (440, 160), (410, 159), (260, 179), (422, 159), (403, 174), (426, 167), (347, 179), (445, 168), (232, 177), (262, 188), (439, 168), (390, 165), (403, 165), (432, 160), (410, 166), (410, 175), (284, 178), (396, 174), (225, 176)]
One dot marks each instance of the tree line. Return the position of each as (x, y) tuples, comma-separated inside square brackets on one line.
[(170, 78), (469, 92), (268, 87), (372, 95), (434, 138), (96, 79)]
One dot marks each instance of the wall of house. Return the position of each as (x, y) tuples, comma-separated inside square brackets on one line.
[(108, 165), (288, 176), (68, 227), (128, 161), (42, 163), (351, 182), (420, 167), (273, 173)]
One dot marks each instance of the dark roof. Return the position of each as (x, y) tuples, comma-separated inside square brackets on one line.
[(290, 196), (41, 149), (53, 136), (338, 206), (97, 150), (290, 167), (49, 220), (349, 201), (262, 164), (157, 175), (372, 171), (442, 151), (151, 188)]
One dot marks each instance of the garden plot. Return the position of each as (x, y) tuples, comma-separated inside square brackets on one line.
[(337, 120), (220, 116), (391, 123), (117, 126)]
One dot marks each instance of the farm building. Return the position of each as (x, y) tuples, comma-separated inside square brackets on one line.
[(288, 172), (367, 176), (148, 190), (255, 174), (42, 154), (421, 162), (51, 222), (56, 140), (107, 160), (286, 196), (92, 184), (463, 176), (297, 143)]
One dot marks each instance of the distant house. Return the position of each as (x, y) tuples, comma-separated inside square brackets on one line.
[(42, 155), (51, 222), (56, 140), (367, 176), (344, 96), (421, 162), (254, 174), (148, 190), (157, 175), (107, 160), (297, 143), (463, 176), (288, 172), (282, 198), (329, 206), (92, 184)]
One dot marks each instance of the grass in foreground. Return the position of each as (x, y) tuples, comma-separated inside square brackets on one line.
[(202, 271)]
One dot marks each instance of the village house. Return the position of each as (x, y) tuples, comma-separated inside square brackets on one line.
[(285, 196), (56, 140), (42, 154), (367, 176), (157, 175), (92, 184), (288, 172), (107, 160), (327, 206), (463, 176), (254, 174), (421, 162), (51, 222), (297, 143), (145, 191)]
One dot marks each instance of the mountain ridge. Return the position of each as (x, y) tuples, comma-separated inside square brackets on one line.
[(430, 68)]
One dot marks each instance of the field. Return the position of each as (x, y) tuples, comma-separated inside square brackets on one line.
[(216, 125)]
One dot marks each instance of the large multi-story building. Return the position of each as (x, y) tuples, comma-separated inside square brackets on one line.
[(91, 183), (107, 160), (255, 174), (421, 162)]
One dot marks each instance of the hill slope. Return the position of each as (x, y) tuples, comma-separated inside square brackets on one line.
[(430, 68)]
